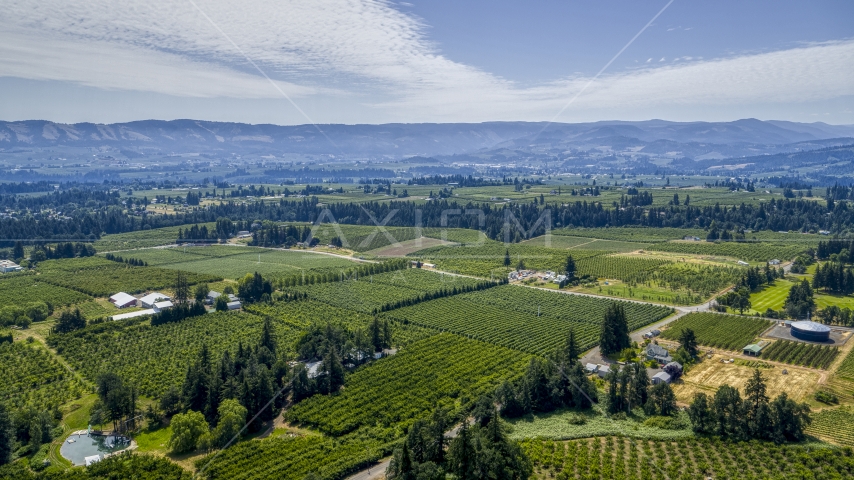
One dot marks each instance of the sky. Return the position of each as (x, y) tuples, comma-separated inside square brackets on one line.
[(375, 61)]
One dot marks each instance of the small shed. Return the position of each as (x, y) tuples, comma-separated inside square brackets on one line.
[(753, 350), (123, 300), (660, 377)]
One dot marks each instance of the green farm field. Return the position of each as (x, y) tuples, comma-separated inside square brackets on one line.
[(235, 262), (729, 332), (583, 243), (527, 319)]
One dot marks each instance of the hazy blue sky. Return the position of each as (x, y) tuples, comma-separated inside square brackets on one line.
[(370, 61)]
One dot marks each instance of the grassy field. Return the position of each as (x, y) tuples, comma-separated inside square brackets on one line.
[(774, 296), (710, 374), (562, 425)]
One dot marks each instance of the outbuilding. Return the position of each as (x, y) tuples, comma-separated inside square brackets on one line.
[(661, 377), (235, 305), (123, 300), (603, 370), (753, 350), (211, 297), (591, 368), (149, 300), (8, 266)]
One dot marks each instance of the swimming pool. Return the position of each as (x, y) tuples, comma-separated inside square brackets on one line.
[(83, 445)]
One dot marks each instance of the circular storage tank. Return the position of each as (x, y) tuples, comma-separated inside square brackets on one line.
[(810, 331)]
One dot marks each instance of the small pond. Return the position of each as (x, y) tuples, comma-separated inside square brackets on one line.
[(84, 445)]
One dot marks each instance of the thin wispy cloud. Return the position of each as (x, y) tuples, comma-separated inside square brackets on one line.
[(368, 51)]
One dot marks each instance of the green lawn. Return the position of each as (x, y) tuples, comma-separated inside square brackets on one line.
[(770, 296), (774, 296)]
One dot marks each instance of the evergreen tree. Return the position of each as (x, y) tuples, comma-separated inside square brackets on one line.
[(570, 267), (688, 341), (662, 400), (700, 414), (571, 352), (757, 413), (507, 258), (461, 454), (615, 331), (789, 419), (18, 251), (182, 288), (727, 412)]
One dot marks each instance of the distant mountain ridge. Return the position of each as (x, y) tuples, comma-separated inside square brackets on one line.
[(158, 137)]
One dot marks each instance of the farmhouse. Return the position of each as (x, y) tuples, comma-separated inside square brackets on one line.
[(149, 300), (123, 300), (660, 377), (8, 266), (658, 353)]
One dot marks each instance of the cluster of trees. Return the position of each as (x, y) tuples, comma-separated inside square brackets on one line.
[(26, 430), (217, 396), (753, 278), (41, 252), (334, 346), (842, 248), (738, 299), (477, 451), (460, 180), (636, 199), (629, 387), (69, 321), (24, 315), (254, 288), (272, 235), (130, 261), (547, 385), (729, 415), (614, 337), (117, 403), (800, 302), (836, 315), (834, 277)]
